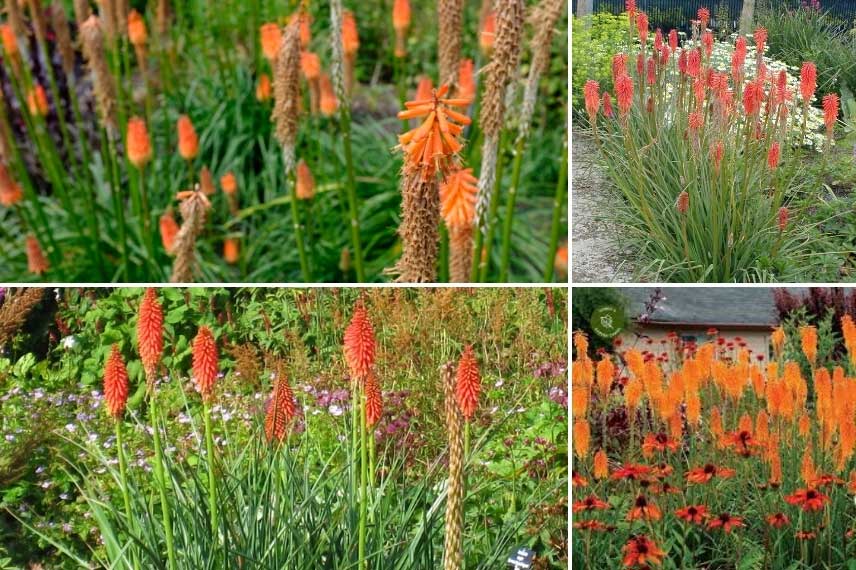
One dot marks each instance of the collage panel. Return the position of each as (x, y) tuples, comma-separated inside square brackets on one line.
[(270, 428), (283, 141), (713, 427), (713, 141)]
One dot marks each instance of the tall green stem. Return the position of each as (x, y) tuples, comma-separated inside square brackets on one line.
[(298, 228), (558, 205), (160, 479), (352, 196), (123, 473), (212, 480), (118, 204), (363, 565), (509, 209)]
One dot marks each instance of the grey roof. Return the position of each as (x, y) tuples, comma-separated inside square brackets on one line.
[(705, 306)]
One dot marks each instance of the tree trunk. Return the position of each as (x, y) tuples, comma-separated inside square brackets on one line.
[(747, 16)]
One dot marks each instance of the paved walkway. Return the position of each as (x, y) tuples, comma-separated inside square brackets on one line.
[(596, 256)]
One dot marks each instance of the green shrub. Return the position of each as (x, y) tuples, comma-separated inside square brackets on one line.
[(800, 33), (595, 39)]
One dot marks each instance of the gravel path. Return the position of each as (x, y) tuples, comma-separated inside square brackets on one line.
[(597, 257)]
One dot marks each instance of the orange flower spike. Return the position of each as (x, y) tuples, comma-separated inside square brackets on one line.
[(762, 426), (271, 38), (10, 42), (401, 15), (488, 33), (281, 410), (807, 470), (777, 339), (359, 343), (808, 340), (329, 104), (305, 181), (168, 231), (605, 375), (229, 184), (188, 141), (305, 26), (138, 145), (693, 410), (137, 33), (745, 423), (676, 426), (310, 65), (775, 467), (10, 191), (36, 262), (582, 437), (150, 332), (350, 36), (466, 80), (205, 361), (115, 383), (579, 398), (468, 383), (581, 344), (716, 422), (374, 401), (458, 198), (601, 465), (231, 250), (804, 425), (37, 101), (264, 88)]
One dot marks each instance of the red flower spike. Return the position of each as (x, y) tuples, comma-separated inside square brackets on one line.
[(468, 384), (374, 401), (115, 383), (281, 410), (205, 366), (150, 331), (360, 343)]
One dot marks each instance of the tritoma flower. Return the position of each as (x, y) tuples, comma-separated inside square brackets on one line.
[(712, 435), (467, 383), (205, 361), (432, 146), (150, 333), (115, 383), (359, 344)]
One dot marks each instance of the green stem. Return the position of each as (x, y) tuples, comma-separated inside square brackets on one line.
[(509, 209), (123, 473), (212, 481), (298, 228), (558, 206), (363, 565), (352, 195), (118, 204), (160, 480)]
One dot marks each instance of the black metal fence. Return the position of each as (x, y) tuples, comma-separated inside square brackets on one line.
[(667, 14)]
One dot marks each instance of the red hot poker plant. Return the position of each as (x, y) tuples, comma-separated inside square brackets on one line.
[(468, 383), (281, 410), (150, 333), (115, 383), (205, 367), (360, 344), (374, 400)]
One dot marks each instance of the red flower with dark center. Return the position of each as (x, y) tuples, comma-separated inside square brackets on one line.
[(726, 522), (640, 551), (578, 480), (205, 365), (593, 525), (742, 442), (630, 471), (826, 480), (642, 509), (692, 514), (778, 520), (658, 443), (808, 499), (590, 503), (805, 535), (708, 472)]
